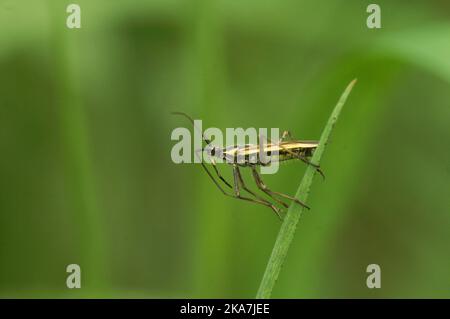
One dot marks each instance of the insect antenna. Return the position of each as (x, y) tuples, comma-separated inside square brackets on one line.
[(207, 141)]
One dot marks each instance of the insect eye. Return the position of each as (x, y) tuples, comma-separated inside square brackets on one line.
[(213, 151)]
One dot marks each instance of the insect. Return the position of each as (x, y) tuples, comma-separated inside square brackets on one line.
[(239, 156)]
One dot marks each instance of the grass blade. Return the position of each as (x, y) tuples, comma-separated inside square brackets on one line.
[(287, 230)]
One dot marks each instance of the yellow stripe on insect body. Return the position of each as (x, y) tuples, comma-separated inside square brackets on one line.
[(252, 149), (283, 151)]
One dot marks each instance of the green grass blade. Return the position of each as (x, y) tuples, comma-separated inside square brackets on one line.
[(287, 230)]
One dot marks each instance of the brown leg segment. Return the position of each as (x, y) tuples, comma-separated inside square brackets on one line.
[(271, 193), (239, 181), (286, 135), (213, 163)]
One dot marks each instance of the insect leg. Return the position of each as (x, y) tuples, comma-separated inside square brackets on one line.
[(271, 193), (237, 193), (210, 175), (285, 135), (241, 181), (317, 167), (213, 163), (263, 187)]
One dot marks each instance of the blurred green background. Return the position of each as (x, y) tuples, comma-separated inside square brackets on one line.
[(86, 175)]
